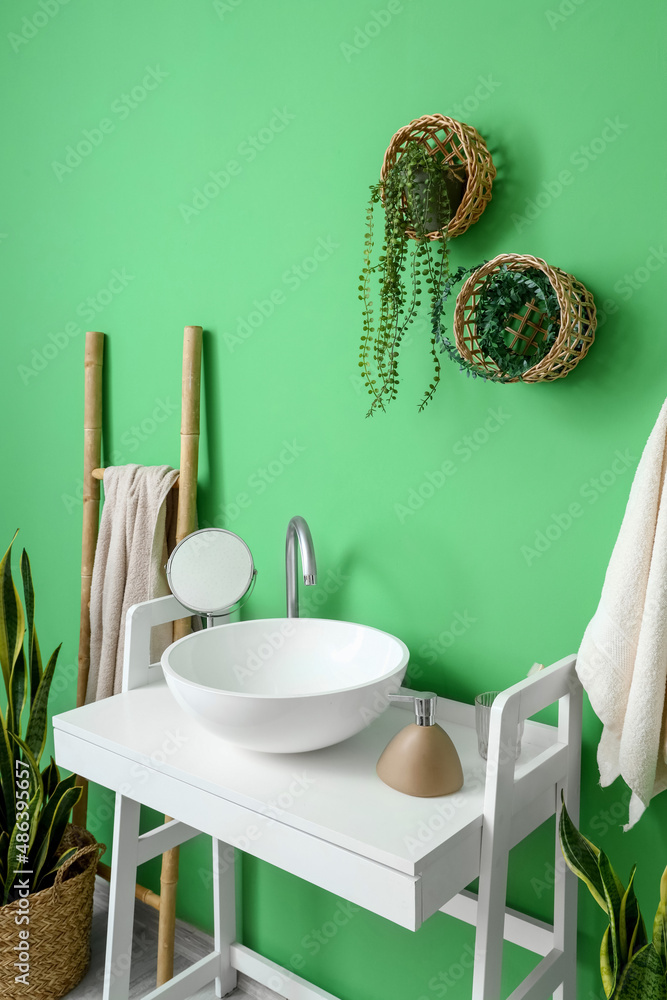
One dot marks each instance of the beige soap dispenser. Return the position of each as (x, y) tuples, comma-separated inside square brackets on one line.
[(421, 759)]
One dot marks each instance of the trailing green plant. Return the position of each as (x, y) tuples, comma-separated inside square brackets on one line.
[(506, 292), (35, 803), (632, 966), (415, 196)]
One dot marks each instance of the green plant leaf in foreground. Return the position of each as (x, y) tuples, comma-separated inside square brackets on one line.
[(37, 724), (660, 922), (581, 857), (607, 965), (34, 655), (12, 620), (643, 978), (613, 891), (631, 927)]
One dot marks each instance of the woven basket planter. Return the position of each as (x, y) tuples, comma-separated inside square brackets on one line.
[(60, 920), (463, 150), (577, 321)]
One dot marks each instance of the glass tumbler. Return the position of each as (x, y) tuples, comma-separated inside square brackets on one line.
[(483, 703)]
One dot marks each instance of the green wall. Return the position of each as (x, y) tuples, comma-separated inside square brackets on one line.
[(291, 106)]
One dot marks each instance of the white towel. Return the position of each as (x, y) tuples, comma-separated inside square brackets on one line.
[(622, 662), (129, 567)]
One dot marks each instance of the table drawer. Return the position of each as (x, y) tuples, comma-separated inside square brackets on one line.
[(376, 887)]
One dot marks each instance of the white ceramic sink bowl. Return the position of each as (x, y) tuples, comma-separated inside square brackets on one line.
[(285, 685)]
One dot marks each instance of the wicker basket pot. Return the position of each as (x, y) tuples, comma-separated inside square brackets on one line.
[(576, 328), (60, 920), (463, 150)]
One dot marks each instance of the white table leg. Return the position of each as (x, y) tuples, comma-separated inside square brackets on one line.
[(567, 884), (224, 907), (495, 854), (121, 899)]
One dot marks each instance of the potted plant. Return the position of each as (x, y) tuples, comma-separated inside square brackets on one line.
[(420, 193), (632, 966), (47, 867), (517, 318)]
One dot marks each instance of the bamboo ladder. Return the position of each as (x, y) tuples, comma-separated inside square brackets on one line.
[(165, 902)]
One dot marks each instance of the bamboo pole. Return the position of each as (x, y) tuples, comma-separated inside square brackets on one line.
[(185, 524), (140, 892), (92, 454)]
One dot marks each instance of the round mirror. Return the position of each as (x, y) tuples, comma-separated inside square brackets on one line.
[(210, 571)]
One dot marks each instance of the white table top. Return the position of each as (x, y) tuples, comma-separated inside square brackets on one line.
[(332, 793)]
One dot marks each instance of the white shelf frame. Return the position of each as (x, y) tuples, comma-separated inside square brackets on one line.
[(558, 773)]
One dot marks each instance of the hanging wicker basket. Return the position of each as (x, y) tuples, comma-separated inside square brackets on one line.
[(60, 920), (463, 150), (576, 325)]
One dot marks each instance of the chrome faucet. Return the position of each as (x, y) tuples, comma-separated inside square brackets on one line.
[(298, 528)]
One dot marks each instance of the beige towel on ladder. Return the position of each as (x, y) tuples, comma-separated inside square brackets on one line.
[(622, 662), (129, 567)]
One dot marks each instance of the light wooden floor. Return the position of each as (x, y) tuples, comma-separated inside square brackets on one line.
[(191, 945)]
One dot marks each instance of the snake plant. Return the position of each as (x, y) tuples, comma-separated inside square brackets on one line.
[(35, 804), (632, 966)]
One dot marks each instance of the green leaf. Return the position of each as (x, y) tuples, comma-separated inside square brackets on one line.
[(34, 655), (612, 895), (581, 857), (7, 779), (49, 857), (17, 853), (660, 922), (17, 693), (12, 620), (639, 938), (50, 779), (630, 920), (35, 777), (606, 965), (43, 838), (37, 724), (643, 978), (47, 877)]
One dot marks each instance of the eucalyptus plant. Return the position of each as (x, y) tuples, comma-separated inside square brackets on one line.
[(632, 966), (35, 803), (415, 197)]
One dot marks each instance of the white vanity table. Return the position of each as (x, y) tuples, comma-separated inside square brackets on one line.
[(326, 817)]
